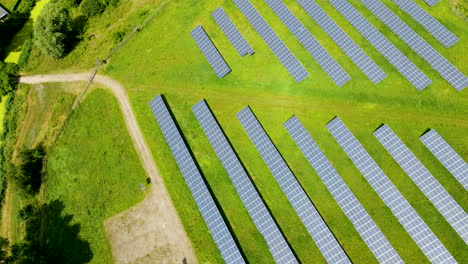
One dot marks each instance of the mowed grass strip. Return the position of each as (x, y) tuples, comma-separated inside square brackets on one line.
[(173, 65), (94, 170)]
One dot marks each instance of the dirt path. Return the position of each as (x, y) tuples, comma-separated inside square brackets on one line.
[(150, 232), (7, 216)]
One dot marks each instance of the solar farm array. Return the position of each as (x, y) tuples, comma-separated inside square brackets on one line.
[(315, 225), (356, 54)]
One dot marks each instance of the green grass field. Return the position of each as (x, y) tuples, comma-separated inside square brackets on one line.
[(163, 58), (94, 172), (94, 152)]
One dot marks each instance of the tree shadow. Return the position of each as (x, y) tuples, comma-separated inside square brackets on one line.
[(78, 26), (23, 34), (59, 240)]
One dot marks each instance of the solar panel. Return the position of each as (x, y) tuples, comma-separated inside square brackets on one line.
[(437, 30), (406, 215), (429, 185), (388, 50), (364, 62), (447, 156), (247, 192), (210, 52), (431, 2), (331, 67), (366, 227), (456, 78), (299, 200), (194, 180), (280, 50), (231, 32)]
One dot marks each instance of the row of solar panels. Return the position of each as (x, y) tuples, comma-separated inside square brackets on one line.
[(304, 207), (405, 66)]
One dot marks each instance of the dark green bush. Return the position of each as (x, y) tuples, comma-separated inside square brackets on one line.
[(71, 3), (112, 3), (26, 213), (92, 8), (8, 75), (118, 36), (29, 172)]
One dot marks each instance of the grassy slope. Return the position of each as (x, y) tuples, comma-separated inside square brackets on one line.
[(94, 169), (167, 61), (8, 3), (14, 50), (98, 40)]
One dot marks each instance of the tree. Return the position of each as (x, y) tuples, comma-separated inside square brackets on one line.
[(4, 249), (51, 30), (8, 74), (91, 8), (26, 213), (26, 252), (72, 3), (28, 175)]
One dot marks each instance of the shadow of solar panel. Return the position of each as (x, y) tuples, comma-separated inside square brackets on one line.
[(401, 209), (447, 156), (231, 32), (366, 227), (299, 200), (194, 180), (280, 50), (431, 2), (433, 26), (364, 62), (385, 47), (331, 67), (451, 74), (429, 185), (212, 55), (260, 215)]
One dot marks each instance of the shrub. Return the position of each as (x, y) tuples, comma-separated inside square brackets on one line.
[(112, 3), (72, 3), (26, 213), (118, 36), (28, 173), (91, 8), (8, 73)]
